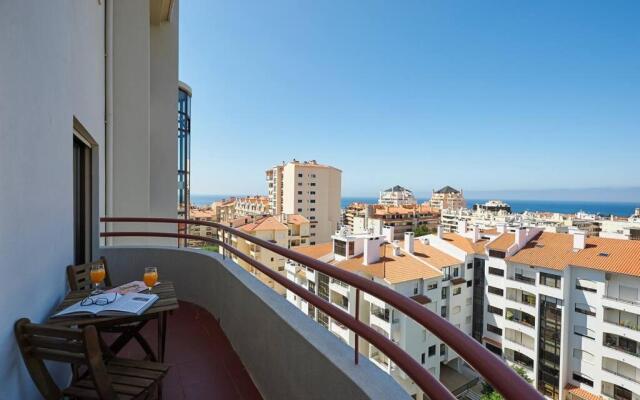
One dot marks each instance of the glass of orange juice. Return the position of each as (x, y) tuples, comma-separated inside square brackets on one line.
[(150, 277), (97, 274)]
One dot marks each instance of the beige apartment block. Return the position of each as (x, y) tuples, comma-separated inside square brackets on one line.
[(447, 198), (265, 228), (310, 189), (224, 210), (257, 206), (299, 229), (204, 215), (407, 218)]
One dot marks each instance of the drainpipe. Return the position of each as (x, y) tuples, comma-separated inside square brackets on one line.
[(108, 111)]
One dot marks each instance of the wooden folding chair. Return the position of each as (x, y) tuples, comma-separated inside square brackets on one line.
[(78, 276), (116, 379)]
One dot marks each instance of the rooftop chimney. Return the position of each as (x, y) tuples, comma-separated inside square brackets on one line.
[(462, 227), (408, 242), (476, 233), (388, 232), (521, 237), (440, 231), (371, 251), (579, 240), (501, 228)]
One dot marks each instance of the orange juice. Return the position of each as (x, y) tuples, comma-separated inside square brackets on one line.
[(150, 278), (97, 275)]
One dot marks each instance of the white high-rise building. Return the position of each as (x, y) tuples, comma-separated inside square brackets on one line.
[(397, 196), (565, 307), (309, 189)]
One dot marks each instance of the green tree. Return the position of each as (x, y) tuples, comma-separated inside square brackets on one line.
[(488, 393), (211, 247), (421, 230)]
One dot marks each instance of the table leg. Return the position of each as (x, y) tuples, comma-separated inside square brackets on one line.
[(162, 335)]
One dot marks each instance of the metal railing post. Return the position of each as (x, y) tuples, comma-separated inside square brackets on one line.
[(357, 316)]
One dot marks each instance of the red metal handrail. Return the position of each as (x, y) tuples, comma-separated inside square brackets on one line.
[(492, 368)]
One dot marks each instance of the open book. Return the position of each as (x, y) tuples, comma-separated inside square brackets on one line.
[(131, 287), (110, 304)]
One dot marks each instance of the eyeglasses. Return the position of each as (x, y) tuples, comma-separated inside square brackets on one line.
[(102, 300)]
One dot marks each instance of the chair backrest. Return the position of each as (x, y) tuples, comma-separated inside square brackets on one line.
[(79, 278), (39, 342)]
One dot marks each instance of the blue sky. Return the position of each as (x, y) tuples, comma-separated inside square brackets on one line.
[(483, 95)]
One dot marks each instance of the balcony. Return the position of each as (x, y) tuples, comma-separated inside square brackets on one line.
[(242, 304), (517, 277), (209, 344)]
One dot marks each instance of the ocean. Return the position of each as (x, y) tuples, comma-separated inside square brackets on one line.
[(565, 207)]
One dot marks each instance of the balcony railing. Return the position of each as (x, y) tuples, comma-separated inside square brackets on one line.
[(628, 301), (502, 378)]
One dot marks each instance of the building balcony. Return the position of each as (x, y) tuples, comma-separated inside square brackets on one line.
[(339, 287), (527, 280)]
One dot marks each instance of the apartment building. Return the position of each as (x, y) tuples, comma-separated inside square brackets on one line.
[(434, 279), (299, 229), (407, 218), (396, 196), (564, 306), (205, 215), (493, 206), (351, 211), (447, 198), (256, 206), (310, 189), (224, 210)]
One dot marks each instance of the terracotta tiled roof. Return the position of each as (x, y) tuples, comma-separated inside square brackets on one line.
[(555, 251), (316, 250), (264, 224), (581, 393), (198, 213), (297, 219), (392, 268), (433, 256), (465, 244), (550, 250), (502, 242)]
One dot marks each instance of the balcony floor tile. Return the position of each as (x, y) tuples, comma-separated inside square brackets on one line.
[(204, 365)]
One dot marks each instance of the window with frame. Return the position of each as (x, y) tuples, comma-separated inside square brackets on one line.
[(494, 329), (470, 283), (496, 271), (432, 286), (585, 309), (521, 317), (494, 310), (586, 285), (495, 290), (578, 377), (457, 290), (550, 280), (432, 350)]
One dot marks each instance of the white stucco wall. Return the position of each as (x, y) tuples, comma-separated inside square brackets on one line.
[(52, 69)]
